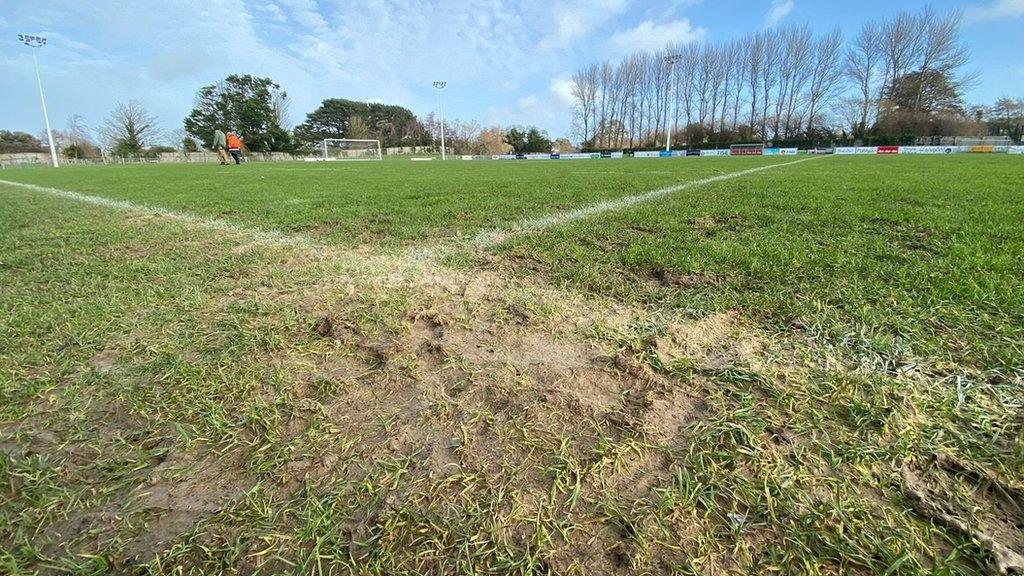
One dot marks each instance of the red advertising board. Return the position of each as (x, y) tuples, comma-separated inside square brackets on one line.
[(888, 149), (739, 151)]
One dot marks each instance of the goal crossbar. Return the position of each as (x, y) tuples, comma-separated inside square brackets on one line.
[(351, 149)]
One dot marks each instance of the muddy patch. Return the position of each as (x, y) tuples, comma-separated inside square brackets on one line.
[(669, 415), (714, 224), (714, 342), (138, 492), (661, 277), (169, 501), (903, 237), (105, 361), (178, 493), (973, 503)]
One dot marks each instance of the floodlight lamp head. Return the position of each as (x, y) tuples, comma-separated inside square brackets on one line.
[(673, 58), (439, 84), (32, 41)]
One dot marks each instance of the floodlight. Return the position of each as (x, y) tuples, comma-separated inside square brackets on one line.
[(35, 42), (440, 84)]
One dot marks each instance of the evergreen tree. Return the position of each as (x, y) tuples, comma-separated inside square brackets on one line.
[(251, 106)]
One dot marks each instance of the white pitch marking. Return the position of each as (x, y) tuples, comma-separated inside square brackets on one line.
[(483, 240), (264, 236), (491, 238)]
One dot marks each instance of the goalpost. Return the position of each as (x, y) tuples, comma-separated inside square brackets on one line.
[(336, 149)]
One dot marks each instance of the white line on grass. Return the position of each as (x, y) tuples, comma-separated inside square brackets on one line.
[(483, 240), (257, 234), (492, 238)]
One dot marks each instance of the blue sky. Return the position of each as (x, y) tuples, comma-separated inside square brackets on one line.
[(505, 61)]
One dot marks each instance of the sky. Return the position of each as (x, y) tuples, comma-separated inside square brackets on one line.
[(505, 62)]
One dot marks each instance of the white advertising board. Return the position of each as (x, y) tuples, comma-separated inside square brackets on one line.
[(929, 149), (858, 150), (1015, 150), (714, 152)]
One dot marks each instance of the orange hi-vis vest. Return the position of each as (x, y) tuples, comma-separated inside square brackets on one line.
[(234, 141)]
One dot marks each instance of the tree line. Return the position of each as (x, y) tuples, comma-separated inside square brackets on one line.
[(258, 109), (897, 78), (900, 76), (468, 137)]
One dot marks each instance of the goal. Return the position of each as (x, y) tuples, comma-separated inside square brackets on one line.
[(349, 149)]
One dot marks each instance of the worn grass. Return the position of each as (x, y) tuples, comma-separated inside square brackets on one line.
[(755, 377), (900, 257)]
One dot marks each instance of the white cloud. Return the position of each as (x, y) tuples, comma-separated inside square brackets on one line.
[(306, 13), (997, 9), (497, 55), (273, 12), (561, 89), (777, 12), (575, 20), (545, 110), (528, 101), (651, 36)]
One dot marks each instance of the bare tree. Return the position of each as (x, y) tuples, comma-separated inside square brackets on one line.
[(737, 72), (901, 41), (827, 73), (620, 88), (129, 129), (793, 75), (61, 138), (704, 83), (281, 104), (584, 91), (941, 49), (769, 76), (634, 94), (754, 47), (686, 76), (491, 141), (861, 63), (849, 110), (176, 139), (716, 64), (606, 76), (78, 128), (777, 84)]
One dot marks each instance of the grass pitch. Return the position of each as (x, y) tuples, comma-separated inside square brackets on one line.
[(814, 369)]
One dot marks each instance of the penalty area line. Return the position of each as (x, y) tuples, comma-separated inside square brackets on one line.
[(263, 236), (492, 238)]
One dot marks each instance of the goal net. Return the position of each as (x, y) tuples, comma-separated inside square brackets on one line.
[(348, 149)]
